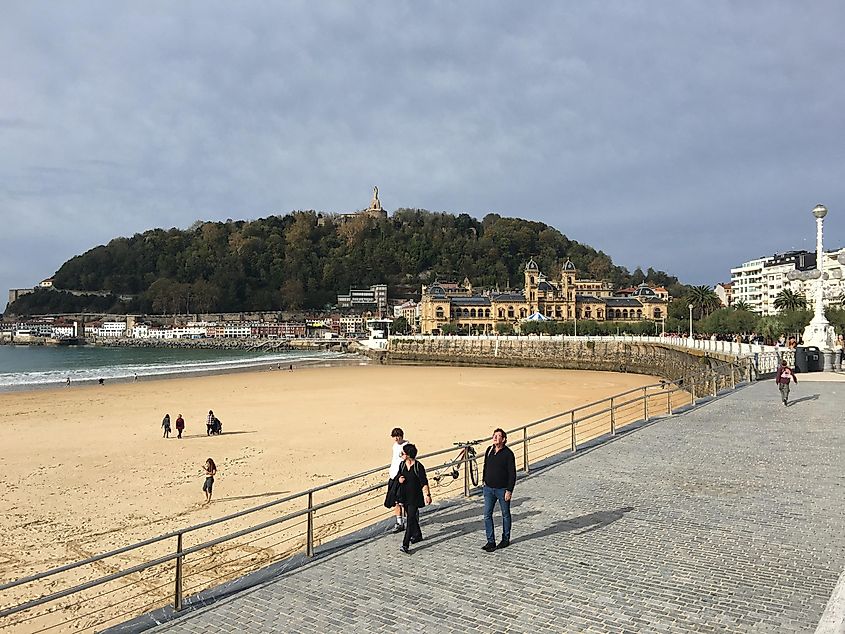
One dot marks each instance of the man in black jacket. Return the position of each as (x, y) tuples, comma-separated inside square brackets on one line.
[(499, 480)]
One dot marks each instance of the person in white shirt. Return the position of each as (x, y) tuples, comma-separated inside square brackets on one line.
[(398, 442)]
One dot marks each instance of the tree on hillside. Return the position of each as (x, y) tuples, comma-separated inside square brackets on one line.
[(788, 299), (740, 305)]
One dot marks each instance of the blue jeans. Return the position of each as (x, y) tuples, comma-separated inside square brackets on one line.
[(490, 497)]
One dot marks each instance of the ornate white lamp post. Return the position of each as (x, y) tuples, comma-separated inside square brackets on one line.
[(819, 332)]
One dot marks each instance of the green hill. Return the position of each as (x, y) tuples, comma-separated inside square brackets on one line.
[(302, 260)]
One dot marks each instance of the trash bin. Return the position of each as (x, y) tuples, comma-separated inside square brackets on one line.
[(808, 359), (801, 360), (815, 363)]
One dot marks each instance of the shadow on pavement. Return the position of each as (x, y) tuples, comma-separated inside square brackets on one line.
[(579, 525), (812, 397)]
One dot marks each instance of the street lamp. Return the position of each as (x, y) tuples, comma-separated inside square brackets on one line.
[(819, 332), (690, 306)]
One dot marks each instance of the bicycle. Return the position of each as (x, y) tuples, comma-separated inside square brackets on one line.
[(467, 454)]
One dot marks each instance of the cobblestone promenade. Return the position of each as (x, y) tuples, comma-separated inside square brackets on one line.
[(728, 518)]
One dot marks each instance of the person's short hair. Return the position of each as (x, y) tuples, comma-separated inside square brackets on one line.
[(397, 431), (409, 450), (503, 432), (783, 362)]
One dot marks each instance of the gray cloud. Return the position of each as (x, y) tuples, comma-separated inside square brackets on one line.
[(688, 137)]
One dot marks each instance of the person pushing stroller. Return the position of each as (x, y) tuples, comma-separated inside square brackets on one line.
[(213, 424)]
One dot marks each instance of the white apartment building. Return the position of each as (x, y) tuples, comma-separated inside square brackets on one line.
[(351, 325), (772, 282), (747, 283), (234, 331), (64, 330), (758, 282), (112, 329)]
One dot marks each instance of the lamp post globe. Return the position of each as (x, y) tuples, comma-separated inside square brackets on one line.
[(819, 211)]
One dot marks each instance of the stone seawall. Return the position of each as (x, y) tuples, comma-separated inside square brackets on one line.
[(668, 362)]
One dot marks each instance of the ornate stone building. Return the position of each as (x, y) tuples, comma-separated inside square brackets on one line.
[(566, 298)]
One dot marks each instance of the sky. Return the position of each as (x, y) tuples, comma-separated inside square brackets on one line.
[(684, 136)]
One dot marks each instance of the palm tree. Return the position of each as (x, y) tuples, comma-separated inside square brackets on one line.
[(788, 299), (704, 298), (741, 305)]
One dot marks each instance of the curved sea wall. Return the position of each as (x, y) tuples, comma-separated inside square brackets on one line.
[(663, 360)]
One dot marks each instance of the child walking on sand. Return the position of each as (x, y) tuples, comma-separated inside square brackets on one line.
[(210, 470), (180, 426), (165, 424)]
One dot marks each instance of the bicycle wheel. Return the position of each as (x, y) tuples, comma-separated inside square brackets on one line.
[(473, 466)]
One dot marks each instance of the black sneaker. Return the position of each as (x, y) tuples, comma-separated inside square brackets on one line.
[(504, 543), (405, 550), (489, 547), (399, 528)]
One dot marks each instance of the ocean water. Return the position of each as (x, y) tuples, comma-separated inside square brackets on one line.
[(28, 367)]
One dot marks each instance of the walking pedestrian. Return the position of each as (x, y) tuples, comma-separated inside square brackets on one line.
[(414, 493), (391, 500), (499, 480), (209, 423), (180, 426), (784, 374), (165, 424), (210, 471)]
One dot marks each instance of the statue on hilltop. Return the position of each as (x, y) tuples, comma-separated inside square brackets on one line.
[(375, 204)]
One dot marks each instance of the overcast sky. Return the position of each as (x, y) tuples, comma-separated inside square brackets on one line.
[(685, 136)]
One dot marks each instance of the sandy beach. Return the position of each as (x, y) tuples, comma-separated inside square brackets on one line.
[(85, 469)]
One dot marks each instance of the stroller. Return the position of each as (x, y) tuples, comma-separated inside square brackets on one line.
[(215, 427)]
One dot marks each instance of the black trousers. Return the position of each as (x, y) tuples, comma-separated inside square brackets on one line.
[(412, 525)]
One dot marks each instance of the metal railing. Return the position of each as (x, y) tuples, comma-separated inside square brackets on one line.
[(705, 345), (301, 522)]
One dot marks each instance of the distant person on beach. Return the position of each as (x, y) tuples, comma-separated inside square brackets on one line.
[(414, 494), (101, 381), (67, 382), (165, 423), (210, 471), (290, 369), (180, 426), (784, 375), (499, 481), (209, 423), (136, 377), (395, 460)]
